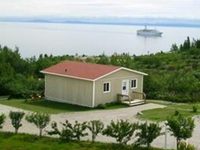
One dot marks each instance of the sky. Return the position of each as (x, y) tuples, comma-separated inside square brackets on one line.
[(184, 9)]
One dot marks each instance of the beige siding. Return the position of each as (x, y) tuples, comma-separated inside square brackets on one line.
[(116, 86), (68, 90)]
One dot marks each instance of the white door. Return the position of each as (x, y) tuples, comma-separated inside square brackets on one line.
[(125, 87)]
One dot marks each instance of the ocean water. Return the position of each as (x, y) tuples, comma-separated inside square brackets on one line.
[(33, 39)]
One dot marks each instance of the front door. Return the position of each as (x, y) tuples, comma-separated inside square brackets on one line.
[(125, 87)]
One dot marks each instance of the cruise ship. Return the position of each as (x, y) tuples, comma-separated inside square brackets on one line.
[(149, 32)]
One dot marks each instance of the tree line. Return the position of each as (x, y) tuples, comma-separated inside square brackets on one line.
[(173, 75)]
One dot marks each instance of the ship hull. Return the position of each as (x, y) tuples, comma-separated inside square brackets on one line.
[(149, 33)]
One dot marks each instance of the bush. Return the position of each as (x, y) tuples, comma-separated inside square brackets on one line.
[(194, 109), (101, 106), (79, 130), (2, 120), (41, 120), (95, 127), (69, 131), (65, 134), (147, 133), (176, 113), (16, 118), (185, 146), (180, 127), (122, 131)]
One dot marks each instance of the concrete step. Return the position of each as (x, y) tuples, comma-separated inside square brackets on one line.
[(134, 102)]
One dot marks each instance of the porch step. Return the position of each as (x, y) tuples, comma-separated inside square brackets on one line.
[(134, 102)]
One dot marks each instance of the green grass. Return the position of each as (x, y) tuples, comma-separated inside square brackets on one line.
[(51, 107), (161, 114), (9, 141)]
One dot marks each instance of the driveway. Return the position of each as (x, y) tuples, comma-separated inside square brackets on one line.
[(105, 116)]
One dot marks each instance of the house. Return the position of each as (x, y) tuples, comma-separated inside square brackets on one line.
[(89, 84)]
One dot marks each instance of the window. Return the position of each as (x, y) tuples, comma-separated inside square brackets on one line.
[(133, 84), (106, 87)]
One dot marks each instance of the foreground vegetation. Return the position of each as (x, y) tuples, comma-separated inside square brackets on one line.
[(173, 75), (121, 130), (10, 141)]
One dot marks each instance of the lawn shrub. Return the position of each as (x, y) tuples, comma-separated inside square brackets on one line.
[(181, 127), (101, 106), (2, 120), (185, 146), (69, 132), (96, 127), (194, 109), (147, 133), (16, 118), (65, 134), (40, 120), (176, 113), (121, 130)]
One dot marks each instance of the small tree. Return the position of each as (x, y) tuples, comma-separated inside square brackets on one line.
[(65, 134), (147, 133), (41, 120), (180, 127), (16, 118), (78, 130), (69, 131), (96, 127), (122, 131), (2, 120)]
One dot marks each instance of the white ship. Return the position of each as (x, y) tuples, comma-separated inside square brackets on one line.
[(149, 32)]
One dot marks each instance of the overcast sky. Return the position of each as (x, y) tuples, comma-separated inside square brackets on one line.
[(101, 8)]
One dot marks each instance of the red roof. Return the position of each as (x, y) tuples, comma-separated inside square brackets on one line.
[(80, 70)]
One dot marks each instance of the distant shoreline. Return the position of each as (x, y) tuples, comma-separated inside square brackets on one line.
[(111, 21)]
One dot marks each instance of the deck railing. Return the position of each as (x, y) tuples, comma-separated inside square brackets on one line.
[(131, 97), (138, 95)]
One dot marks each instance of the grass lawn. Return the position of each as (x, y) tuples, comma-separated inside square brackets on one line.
[(9, 141), (161, 114), (51, 107)]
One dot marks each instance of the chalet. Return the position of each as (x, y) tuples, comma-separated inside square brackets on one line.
[(89, 84)]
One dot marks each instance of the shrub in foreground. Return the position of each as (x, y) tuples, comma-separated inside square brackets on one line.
[(180, 127), (185, 146), (40, 120), (2, 120), (65, 134), (95, 127), (16, 118), (147, 133), (78, 130), (122, 131), (69, 131), (194, 109)]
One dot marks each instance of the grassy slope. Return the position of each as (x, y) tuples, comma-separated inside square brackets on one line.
[(161, 114), (9, 141), (49, 106)]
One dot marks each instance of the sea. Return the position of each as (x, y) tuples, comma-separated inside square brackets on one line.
[(35, 38)]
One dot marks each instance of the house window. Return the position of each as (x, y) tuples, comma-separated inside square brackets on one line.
[(106, 87), (133, 84)]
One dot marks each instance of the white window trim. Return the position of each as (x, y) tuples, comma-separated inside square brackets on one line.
[(109, 87), (135, 85)]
